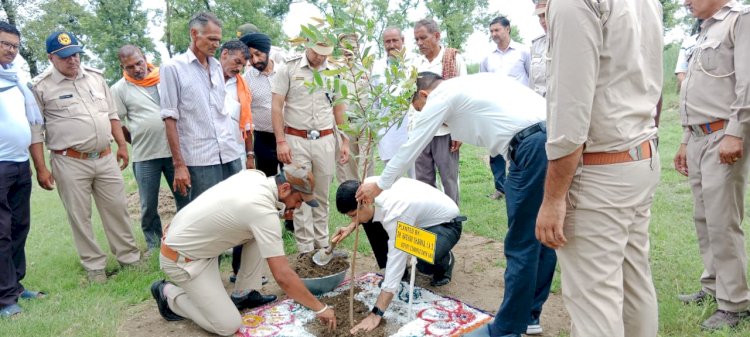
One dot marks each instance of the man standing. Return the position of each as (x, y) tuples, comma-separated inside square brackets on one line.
[(199, 131), (507, 118), (393, 138), (228, 216), (19, 114), (442, 151), (233, 56), (538, 70), (303, 124), (275, 53), (604, 167), (416, 204), (81, 120), (512, 59), (136, 97), (714, 108)]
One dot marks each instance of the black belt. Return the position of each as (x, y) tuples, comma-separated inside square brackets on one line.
[(523, 134)]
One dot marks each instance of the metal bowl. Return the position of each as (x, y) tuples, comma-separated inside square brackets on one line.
[(324, 284)]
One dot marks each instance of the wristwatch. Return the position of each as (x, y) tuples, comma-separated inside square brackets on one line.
[(375, 310)]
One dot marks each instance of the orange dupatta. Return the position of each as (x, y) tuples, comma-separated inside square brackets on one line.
[(246, 115), (150, 80)]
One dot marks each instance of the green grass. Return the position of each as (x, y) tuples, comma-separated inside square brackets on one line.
[(74, 308)]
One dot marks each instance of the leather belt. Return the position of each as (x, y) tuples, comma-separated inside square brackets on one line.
[(708, 128), (309, 134), (523, 134), (171, 254), (83, 155), (640, 152)]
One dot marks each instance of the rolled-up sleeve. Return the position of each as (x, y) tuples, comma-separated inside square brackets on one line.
[(117, 93), (37, 131), (739, 119), (575, 40), (169, 92), (113, 114)]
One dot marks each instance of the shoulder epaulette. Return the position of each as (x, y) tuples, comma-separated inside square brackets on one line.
[(292, 58), (98, 71), (38, 78)]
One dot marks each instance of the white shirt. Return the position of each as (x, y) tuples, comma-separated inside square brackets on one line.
[(436, 66), (685, 50), (484, 109), (514, 62), (232, 108), (394, 137), (414, 203), (15, 132)]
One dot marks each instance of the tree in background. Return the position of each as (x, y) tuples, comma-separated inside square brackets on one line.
[(459, 18), (113, 24), (267, 15)]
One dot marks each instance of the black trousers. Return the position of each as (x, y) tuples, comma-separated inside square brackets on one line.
[(15, 200)]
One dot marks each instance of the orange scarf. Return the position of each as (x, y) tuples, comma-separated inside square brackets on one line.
[(246, 115), (150, 80)]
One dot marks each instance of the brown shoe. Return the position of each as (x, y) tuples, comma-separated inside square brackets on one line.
[(496, 196), (97, 276), (724, 319), (696, 298)]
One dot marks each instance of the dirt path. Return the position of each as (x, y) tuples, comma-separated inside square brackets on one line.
[(477, 281)]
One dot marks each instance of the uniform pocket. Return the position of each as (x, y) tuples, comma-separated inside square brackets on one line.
[(708, 54)]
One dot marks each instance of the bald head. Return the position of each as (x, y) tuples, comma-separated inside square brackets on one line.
[(129, 50)]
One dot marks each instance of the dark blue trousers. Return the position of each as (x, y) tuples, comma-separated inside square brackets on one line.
[(15, 200), (530, 265)]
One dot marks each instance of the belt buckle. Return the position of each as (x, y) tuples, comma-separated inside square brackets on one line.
[(313, 134), (93, 155)]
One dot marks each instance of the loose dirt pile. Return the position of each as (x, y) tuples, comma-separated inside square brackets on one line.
[(305, 267), (340, 303), (166, 208)]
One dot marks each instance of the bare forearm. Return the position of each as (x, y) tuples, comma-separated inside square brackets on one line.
[(339, 114), (37, 156), (291, 284), (173, 140), (384, 300), (560, 174), (117, 132), (277, 117)]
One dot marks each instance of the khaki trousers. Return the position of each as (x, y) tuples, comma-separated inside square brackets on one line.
[(311, 224), (200, 295), (350, 170), (77, 180), (719, 195), (606, 277)]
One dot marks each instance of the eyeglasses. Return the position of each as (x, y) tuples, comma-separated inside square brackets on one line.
[(9, 46)]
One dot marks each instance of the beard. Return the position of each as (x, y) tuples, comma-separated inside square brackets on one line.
[(260, 65)]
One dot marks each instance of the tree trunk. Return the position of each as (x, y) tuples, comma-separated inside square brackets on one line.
[(167, 29)]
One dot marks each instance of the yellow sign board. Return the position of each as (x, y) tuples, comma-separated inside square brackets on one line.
[(416, 241)]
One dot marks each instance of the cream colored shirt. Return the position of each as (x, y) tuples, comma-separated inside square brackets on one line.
[(717, 84), (77, 112), (538, 72), (604, 74), (140, 112), (436, 66), (303, 110), (241, 208)]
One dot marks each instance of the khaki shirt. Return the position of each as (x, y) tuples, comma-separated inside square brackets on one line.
[(717, 84), (604, 74), (241, 208), (139, 109), (303, 110), (538, 73), (77, 112)]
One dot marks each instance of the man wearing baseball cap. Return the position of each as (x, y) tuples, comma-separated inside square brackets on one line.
[(225, 216), (303, 126), (81, 121)]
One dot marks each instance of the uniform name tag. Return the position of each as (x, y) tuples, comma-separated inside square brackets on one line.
[(66, 96), (299, 78)]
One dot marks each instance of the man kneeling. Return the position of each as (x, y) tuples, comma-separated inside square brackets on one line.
[(242, 210), (414, 203)]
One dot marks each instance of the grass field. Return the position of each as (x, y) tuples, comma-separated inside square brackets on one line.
[(74, 308)]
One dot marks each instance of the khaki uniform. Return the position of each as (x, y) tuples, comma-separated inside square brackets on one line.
[(715, 89), (357, 148), (306, 111), (77, 114), (611, 89), (224, 216), (538, 73)]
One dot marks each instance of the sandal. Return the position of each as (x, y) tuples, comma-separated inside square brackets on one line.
[(9, 311), (32, 295)]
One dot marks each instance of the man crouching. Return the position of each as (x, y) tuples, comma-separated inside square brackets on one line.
[(242, 210)]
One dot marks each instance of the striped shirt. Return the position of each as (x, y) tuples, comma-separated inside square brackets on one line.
[(195, 98), (260, 86)]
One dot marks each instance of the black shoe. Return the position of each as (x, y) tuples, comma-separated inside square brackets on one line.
[(252, 300), (696, 298), (233, 279), (439, 281), (289, 225), (157, 291)]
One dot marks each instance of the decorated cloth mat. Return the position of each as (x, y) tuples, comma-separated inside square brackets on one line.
[(433, 314)]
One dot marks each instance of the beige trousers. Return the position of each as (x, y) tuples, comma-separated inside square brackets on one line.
[(719, 195), (350, 170), (200, 295), (311, 224), (77, 180), (606, 277)]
